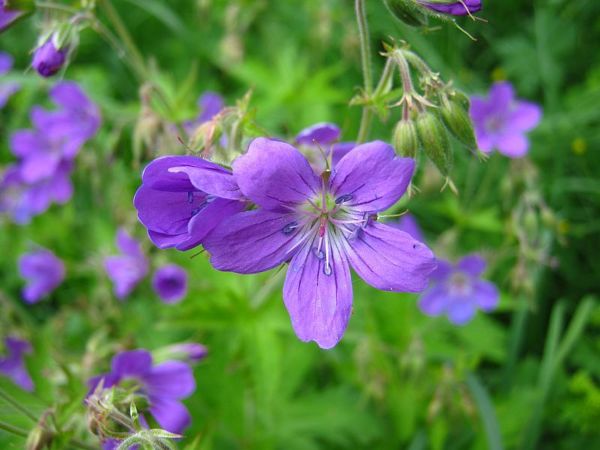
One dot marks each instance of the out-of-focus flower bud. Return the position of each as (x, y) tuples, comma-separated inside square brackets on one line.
[(407, 11), (405, 139), (434, 140), (458, 122), (13, 10), (40, 437), (50, 55)]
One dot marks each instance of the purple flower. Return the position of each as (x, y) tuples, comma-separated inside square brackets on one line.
[(43, 271), (458, 291), (22, 200), (48, 58), (170, 283), (210, 104), (322, 226), (13, 364), (189, 351), (7, 17), (7, 89), (453, 7), (321, 149), (409, 224), (501, 121), (164, 385), (127, 269), (182, 198)]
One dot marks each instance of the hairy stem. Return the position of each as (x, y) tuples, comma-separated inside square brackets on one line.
[(365, 55)]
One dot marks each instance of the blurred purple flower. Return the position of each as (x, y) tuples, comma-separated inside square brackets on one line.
[(210, 104), (7, 89), (319, 141), (43, 271), (170, 283), (322, 226), (7, 17), (127, 269), (48, 58), (453, 7), (13, 364), (458, 290), (190, 351), (409, 224), (164, 385), (22, 201), (182, 198), (501, 121)]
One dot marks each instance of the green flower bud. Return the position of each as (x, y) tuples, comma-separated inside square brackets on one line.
[(408, 11), (405, 139), (459, 123), (434, 140)]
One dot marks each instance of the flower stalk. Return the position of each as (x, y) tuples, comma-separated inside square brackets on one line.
[(365, 55)]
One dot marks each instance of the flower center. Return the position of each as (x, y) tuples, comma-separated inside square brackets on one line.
[(460, 284)]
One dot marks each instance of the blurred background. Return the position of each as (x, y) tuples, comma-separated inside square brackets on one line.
[(523, 377)]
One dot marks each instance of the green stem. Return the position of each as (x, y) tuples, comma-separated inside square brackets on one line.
[(15, 404), (386, 79), (57, 6), (12, 429), (365, 55)]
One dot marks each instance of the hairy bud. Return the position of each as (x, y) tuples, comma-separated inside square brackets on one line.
[(457, 119), (434, 140), (405, 139)]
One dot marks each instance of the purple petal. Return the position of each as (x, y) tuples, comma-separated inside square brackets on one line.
[(163, 241), (319, 297), (7, 90), (443, 270), (319, 134), (125, 272), (501, 96), (43, 271), (171, 379), (25, 142), (136, 363), (525, 116), (47, 59), (170, 414), (461, 311), (513, 145), (434, 300), (485, 142), (390, 259), (157, 176), (409, 224), (252, 241), (275, 175), (6, 62), (485, 295), (473, 265), (212, 179), (211, 104), (38, 167), (371, 176), (339, 150), (108, 380), (69, 95), (457, 8), (13, 365), (170, 283), (128, 245)]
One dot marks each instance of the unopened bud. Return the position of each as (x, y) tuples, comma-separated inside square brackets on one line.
[(51, 54), (434, 140), (405, 139), (407, 11), (459, 123)]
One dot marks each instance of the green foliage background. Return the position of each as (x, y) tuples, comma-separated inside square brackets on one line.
[(524, 377)]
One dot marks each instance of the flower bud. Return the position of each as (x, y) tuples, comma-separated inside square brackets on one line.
[(407, 11), (457, 120), (13, 10), (50, 56), (434, 140), (405, 139)]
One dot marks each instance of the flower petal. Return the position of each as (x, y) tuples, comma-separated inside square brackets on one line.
[(171, 415), (252, 241), (133, 362), (433, 301), (171, 379), (501, 96), (39, 166), (461, 311), (128, 245), (212, 179), (323, 133), (156, 175), (513, 145), (390, 259), (473, 265), (319, 304), (275, 175), (371, 177), (525, 116), (339, 150), (486, 295)]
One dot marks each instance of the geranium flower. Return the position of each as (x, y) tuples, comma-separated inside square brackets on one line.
[(321, 225), (43, 271), (182, 198), (49, 57), (162, 385), (13, 364), (501, 121), (127, 269), (453, 7), (458, 290), (170, 283)]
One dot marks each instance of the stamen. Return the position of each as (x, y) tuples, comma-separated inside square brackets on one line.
[(290, 227), (327, 267), (327, 270), (343, 198), (318, 253)]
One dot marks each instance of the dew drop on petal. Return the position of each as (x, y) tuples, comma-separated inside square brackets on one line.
[(318, 253)]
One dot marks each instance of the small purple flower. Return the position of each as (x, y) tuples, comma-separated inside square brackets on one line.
[(170, 283), (409, 224), (127, 269), (182, 198), (458, 291), (501, 121), (8, 17), (48, 58), (164, 385), (321, 225), (453, 7), (189, 351), (7, 89), (43, 271), (13, 364), (210, 104), (322, 150)]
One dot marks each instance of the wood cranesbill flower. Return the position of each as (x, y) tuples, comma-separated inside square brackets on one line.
[(13, 364), (457, 290), (127, 269), (43, 271), (170, 283), (162, 386), (49, 56), (321, 225), (182, 198), (319, 143), (210, 104), (452, 7), (502, 121)]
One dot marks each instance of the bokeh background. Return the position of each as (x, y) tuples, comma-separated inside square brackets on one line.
[(526, 376)]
